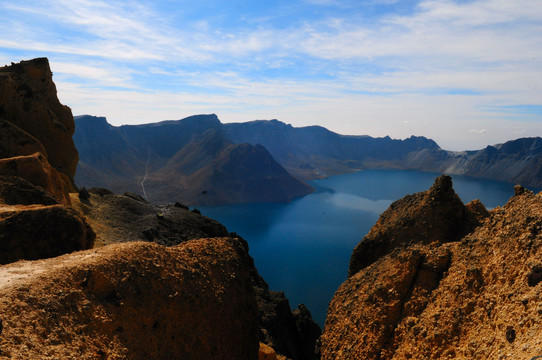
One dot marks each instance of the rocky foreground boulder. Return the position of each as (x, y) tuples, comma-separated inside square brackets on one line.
[(36, 169), (476, 296), (132, 301)]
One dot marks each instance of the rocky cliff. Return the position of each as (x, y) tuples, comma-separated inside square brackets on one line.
[(37, 164), (431, 284), (307, 153), (517, 161), (314, 152), (28, 100)]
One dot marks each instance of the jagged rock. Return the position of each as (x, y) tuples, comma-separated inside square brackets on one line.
[(41, 231), (28, 100), (132, 301), (308, 333), (17, 191), (129, 217), (477, 297), (84, 194), (290, 334), (16, 142), (37, 171), (34, 226), (267, 353), (436, 215)]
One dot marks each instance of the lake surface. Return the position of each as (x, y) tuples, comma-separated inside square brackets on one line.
[(303, 248)]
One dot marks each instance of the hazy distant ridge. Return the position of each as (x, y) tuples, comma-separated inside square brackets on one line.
[(189, 160), (201, 161)]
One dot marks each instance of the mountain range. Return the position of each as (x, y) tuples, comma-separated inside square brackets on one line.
[(200, 161)]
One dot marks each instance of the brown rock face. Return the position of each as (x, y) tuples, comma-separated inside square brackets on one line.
[(34, 226), (38, 232), (119, 218), (16, 142), (28, 100), (132, 301), (478, 297), (436, 215), (17, 191), (37, 170)]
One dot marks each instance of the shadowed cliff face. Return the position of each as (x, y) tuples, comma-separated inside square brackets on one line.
[(468, 294), (37, 164), (29, 101)]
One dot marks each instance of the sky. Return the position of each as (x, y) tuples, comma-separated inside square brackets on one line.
[(466, 73)]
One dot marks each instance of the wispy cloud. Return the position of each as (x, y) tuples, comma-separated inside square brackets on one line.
[(378, 67)]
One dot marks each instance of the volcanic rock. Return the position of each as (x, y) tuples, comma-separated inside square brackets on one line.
[(34, 226), (16, 142), (132, 301), (475, 296), (434, 216), (293, 334), (128, 217), (41, 231), (28, 100), (17, 191), (266, 352), (37, 171)]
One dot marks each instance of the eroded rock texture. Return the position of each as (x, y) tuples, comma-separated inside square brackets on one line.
[(28, 100), (132, 301), (34, 226), (36, 169), (476, 296), (433, 216)]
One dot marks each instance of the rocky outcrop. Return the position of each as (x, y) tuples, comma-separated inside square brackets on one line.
[(36, 169), (16, 142), (17, 191), (266, 352), (128, 217), (34, 226), (132, 301), (433, 216), (35, 131), (475, 296), (29, 101)]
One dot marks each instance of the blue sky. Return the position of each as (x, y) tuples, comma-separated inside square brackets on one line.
[(466, 73)]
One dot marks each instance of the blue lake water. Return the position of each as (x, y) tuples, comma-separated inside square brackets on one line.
[(303, 248)]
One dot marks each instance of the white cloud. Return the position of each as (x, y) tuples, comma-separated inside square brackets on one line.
[(434, 71), (478, 131)]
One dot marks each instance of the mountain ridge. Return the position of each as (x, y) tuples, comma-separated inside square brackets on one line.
[(119, 157), (186, 160)]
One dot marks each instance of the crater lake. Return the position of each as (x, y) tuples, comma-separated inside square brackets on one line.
[(303, 247)]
